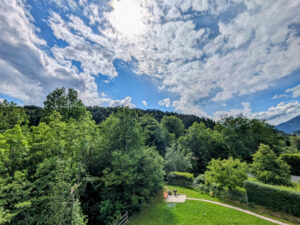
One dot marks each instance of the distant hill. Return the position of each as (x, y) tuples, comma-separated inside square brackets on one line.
[(291, 126)]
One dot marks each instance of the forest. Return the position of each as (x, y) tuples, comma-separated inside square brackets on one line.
[(70, 164)]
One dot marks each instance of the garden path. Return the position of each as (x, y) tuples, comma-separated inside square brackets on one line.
[(295, 178), (177, 198)]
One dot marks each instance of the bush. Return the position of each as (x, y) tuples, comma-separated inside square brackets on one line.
[(180, 179), (273, 197), (270, 169), (178, 159), (229, 173), (293, 160), (200, 179), (220, 192)]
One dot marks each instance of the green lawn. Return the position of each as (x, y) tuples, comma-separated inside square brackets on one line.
[(191, 213)]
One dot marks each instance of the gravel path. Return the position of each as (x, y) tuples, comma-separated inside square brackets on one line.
[(295, 178), (177, 198), (239, 209)]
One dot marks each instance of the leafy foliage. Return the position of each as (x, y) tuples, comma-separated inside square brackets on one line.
[(243, 136), (11, 115), (177, 159), (155, 134), (229, 173), (173, 125), (64, 165), (204, 144), (270, 169), (180, 178), (67, 104), (273, 197), (293, 160)]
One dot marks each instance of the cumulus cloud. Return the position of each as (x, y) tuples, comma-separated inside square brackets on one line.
[(27, 72), (245, 55), (246, 111), (144, 102), (280, 113), (295, 91), (122, 102), (166, 102), (245, 46)]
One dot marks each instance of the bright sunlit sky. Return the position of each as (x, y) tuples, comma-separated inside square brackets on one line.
[(208, 58)]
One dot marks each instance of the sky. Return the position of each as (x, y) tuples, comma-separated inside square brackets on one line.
[(208, 58)]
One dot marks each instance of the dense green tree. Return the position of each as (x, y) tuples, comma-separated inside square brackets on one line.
[(205, 144), (243, 136), (269, 168), (126, 173), (295, 142), (229, 173), (67, 104), (178, 159), (15, 200), (173, 125), (14, 148), (34, 114), (11, 115), (155, 134), (101, 113), (77, 216)]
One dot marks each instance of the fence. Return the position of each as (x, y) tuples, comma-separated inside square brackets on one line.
[(123, 219)]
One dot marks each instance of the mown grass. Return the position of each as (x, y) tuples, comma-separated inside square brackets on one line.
[(191, 212)]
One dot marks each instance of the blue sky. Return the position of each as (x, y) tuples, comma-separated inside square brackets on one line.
[(208, 58)]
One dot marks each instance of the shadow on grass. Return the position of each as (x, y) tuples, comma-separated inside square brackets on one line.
[(156, 212)]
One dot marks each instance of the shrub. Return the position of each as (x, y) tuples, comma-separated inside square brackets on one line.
[(293, 160), (273, 197), (222, 192), (180, 179), (177, 159), (200, 179), (229, 173), (270, 169)]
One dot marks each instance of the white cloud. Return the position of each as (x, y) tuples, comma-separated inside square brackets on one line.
[(274, 115), (248, 54), (144, 102), (166, 102), (280, 113), (27, 72), (295, 91), (239, 56), (279, 96), (123, 102), (246, 111)]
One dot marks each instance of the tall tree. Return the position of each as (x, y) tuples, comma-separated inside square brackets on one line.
[(67, 104), (173, 125), (269, 168), (11, 115), (155, 134), (178, 159)]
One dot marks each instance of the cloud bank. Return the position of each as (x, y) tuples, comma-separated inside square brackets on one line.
[(200, 51)]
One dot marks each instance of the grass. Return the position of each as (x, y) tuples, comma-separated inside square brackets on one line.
[(191, 212)]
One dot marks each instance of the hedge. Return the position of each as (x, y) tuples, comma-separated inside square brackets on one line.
[(273, 197), (180, 178), (294, 162)]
